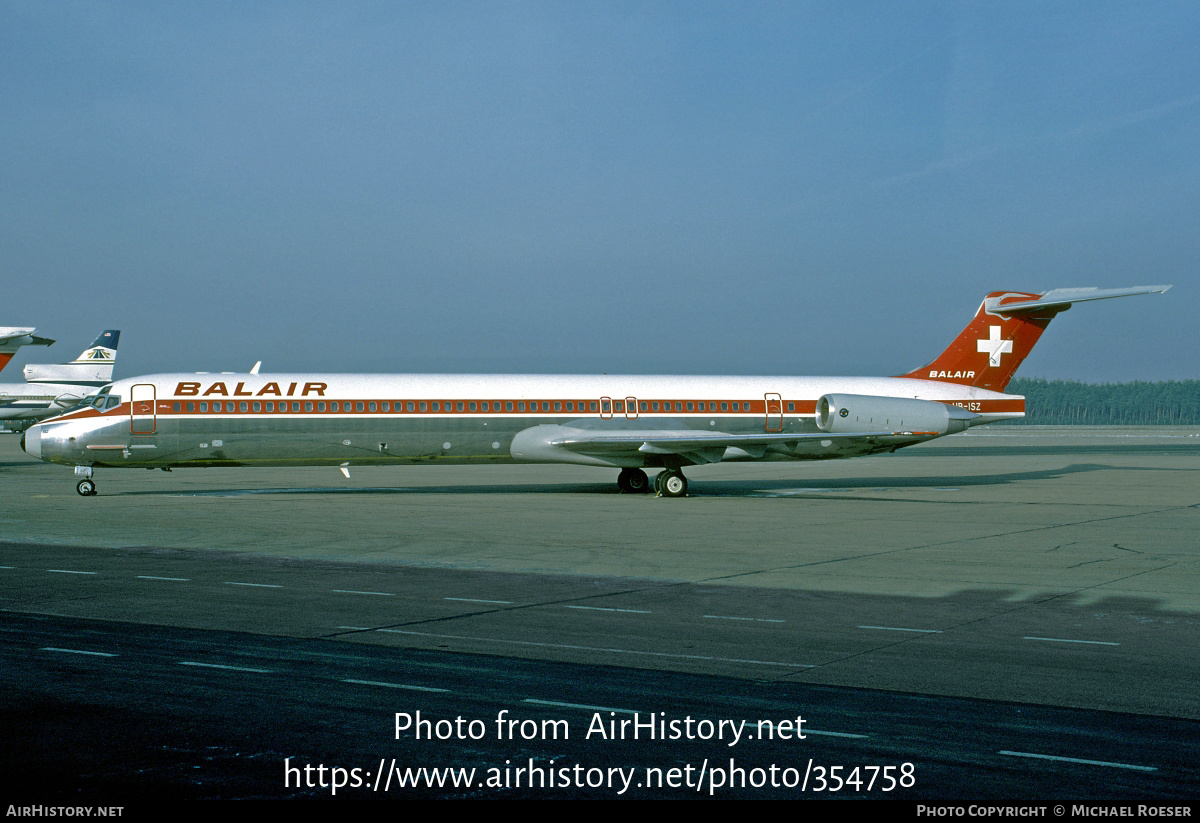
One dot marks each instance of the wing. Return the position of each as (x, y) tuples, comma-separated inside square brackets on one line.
[(639, 447)]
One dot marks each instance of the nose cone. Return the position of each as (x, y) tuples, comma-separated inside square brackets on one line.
[(31, 442)]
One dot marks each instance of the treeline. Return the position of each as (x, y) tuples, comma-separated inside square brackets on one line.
[(1142, 403)]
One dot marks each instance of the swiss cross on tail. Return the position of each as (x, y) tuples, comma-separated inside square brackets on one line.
[(987, 352)]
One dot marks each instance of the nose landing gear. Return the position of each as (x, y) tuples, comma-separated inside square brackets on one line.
[(86, 486)]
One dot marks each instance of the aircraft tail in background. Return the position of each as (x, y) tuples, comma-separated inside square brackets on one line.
[(93, 366), (12, 338)]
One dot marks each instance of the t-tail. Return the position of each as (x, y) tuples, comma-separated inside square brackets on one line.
[(13, 338), (93, 366), (988, 351)]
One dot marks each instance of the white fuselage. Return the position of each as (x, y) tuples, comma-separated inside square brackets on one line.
[(312, 419)]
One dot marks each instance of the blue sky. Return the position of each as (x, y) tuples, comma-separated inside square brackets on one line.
[(731, 188)]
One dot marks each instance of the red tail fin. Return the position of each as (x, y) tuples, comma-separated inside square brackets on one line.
[(988, 351)]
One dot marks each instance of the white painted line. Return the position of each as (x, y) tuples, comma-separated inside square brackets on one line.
[(68, 571), (836, 734), (899, 629), (473, 600), (76, 651), (395, 685), (602, 649), (807, 732), (255, 585), (1081, 760), (582, 706), (1065, 640), (602, 609), (7, 567), (227, 668), (152, 577), (356, 628), (747, 619), (351, 591)]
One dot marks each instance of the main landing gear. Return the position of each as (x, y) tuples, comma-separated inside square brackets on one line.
[(633, 481), (671, 483), (667, 483)]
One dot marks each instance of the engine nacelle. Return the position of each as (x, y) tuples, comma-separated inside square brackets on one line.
[(848, 413)]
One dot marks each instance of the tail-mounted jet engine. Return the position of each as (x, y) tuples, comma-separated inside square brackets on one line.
[(848, 413)]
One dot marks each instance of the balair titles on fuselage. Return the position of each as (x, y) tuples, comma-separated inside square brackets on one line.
[(218, 388)]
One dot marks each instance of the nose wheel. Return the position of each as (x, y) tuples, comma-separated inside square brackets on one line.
[(86, 487)]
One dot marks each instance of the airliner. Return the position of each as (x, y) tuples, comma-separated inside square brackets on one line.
[(631, 423), (13, 338), (51, 388)]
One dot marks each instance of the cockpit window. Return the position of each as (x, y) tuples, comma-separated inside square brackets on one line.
[(113, 402)]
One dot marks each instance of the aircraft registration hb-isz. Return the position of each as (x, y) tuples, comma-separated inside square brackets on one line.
[(631, 423)]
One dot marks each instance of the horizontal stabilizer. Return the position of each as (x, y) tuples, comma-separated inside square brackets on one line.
[(1061, 299)]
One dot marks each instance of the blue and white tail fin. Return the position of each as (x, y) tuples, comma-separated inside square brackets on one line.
[(93, 366)]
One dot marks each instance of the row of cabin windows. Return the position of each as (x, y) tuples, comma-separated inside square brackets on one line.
[(459, 405), (386, 406)]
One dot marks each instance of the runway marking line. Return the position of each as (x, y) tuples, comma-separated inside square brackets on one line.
[(602, 649), (351, 591), (68, 571), (405, 686), (1067, 640), (581, 706), (152, 577), (254, 585), (608, 609), (899, 629), (821, 733), (77, 651), (221, 666), (747, 619), (1082, 761), (474, 600)]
